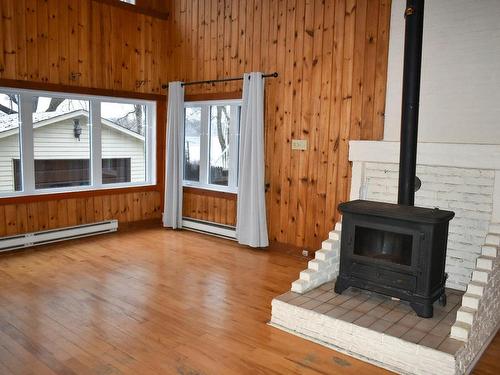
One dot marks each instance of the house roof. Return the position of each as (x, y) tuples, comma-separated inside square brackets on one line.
[(9, 124)]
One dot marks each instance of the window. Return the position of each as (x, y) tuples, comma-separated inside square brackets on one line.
[(10, 144), (61, 173), (61, 130), (116, 170), (123, 137), (211, 144), (128, 1), (63, 142)]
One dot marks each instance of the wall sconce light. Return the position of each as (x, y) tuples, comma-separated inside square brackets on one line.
[(77, 129)]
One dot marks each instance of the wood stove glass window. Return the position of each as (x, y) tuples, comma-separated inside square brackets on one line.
[(383, 245)]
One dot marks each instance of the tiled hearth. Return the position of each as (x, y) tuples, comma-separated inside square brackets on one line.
[(374, 328), (384, 315)]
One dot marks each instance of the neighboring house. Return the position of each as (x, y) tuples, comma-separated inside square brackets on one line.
[(62, 158)]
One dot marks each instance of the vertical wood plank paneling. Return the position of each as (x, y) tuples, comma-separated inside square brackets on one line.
[(8, 38), (82, 43), (62, 213), (32, 215), (43, 215), (301, 62), (43, 46), (309, 176), (63, 38), (3, 223), (20, 17), (10, 220), (332, 59), (21, 218), (384, 17), (52, 215), (32, 39), (36, 216), (331, 56), (72, 213)]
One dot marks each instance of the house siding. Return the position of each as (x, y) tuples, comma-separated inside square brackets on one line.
[(57, 141), (9, 150)]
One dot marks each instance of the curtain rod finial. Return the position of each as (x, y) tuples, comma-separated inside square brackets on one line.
[(275, 74), (164, 86)]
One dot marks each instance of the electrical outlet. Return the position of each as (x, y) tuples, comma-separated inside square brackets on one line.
[(299, 144), (305, 253)]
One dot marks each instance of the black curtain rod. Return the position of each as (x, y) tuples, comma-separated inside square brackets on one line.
[(273, 75)]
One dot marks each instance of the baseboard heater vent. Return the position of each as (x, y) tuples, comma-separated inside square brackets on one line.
[(214, 229), (56, 235)]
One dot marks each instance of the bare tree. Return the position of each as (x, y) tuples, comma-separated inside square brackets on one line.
[(7, 110), (136, 123), (54, 104), (221, 110)]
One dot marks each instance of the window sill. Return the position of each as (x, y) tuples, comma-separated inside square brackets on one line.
[(198, 190), (49, 196)]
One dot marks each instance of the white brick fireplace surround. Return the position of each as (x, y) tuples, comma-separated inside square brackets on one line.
[(464, 178)]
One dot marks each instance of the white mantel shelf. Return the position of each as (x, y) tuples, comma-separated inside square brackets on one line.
[(439, 154)]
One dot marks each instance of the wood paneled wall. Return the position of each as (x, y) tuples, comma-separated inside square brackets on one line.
[(209, 206), (85, 44), (82, 43), (41, 215), (331, 56)]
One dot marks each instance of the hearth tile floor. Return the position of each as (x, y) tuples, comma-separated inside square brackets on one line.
[(383, 314)]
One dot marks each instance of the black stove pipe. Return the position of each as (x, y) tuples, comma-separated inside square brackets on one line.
[(414, 15)]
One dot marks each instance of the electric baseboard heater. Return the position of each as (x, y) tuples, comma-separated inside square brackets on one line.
[(206, 227), (56, 235)]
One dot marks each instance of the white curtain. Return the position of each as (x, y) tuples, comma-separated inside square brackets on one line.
[(251, 226), (172, 216)]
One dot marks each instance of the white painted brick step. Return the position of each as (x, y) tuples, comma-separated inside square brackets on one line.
[(485, 262), (495, 228), (489, 250), (476, 287), (317, 265), (466, 315), (308, 275), (471, 300), (330, 245), (460, 331), (325, 254), (334, 235), (299, 286), (492, 239), (480, 275)]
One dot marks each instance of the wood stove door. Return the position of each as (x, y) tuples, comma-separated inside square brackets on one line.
[(382, 242)]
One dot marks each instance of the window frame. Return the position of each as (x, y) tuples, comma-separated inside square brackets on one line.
[(234, 132), (26, 142)]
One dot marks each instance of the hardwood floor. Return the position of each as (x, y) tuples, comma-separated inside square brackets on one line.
[(153, 301)]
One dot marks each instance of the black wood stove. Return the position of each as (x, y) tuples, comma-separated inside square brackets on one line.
[(398, 249)]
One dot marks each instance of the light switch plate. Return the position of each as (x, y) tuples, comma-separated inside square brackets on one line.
[(299, 144)]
